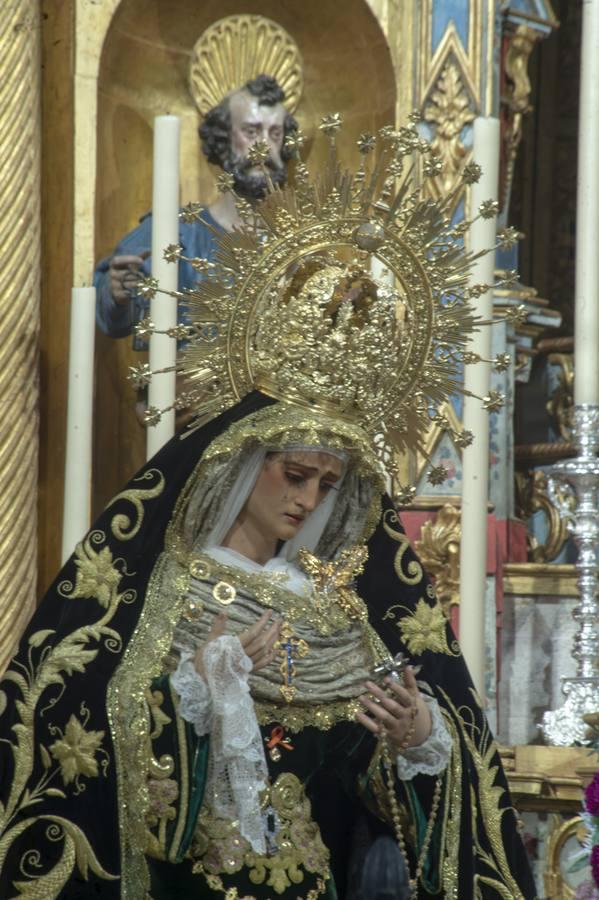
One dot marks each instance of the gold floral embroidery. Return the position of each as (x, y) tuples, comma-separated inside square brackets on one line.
[(98, 577), (96, 574), (75, 847), (130, 724), (120, 524), (414, 574), (76, 751), (294, 718), (490, 796), (48, 663), (294, 842), (155, 699), (423, 629), (216, 884), (163, 793)]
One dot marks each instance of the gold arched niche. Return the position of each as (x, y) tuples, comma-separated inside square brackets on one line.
[(349, 68)]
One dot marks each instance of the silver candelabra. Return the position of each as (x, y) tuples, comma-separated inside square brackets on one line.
[(574, 490)]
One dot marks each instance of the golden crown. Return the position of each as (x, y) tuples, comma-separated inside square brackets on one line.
[(348, 293), (236, 49)]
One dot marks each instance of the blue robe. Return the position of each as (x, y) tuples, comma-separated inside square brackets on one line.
[(198, 239)]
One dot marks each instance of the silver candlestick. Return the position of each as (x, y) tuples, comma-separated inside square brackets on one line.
[(574, 490)]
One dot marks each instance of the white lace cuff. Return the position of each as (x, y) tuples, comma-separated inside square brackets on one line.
[(430, 757), (195, 704), (237, 769)]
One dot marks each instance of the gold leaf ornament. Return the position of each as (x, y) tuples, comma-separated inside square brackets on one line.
[(76, 751), (425, 629), (97, 576)]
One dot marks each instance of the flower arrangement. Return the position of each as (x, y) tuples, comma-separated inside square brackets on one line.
[(589, 853)]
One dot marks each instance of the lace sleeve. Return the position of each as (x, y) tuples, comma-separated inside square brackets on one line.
[(432, 756), (221, 705), (195, 704)]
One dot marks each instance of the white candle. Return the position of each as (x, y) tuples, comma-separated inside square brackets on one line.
[(163, 309), (586, 317), (475, 459), (78, 464)]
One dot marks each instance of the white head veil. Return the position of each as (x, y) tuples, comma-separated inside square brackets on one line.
[(315, 523)]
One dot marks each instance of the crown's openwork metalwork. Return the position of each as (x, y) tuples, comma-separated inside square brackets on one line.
[(291, 304)]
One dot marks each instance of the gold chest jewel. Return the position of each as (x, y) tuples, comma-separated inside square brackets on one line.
[(332, 581)]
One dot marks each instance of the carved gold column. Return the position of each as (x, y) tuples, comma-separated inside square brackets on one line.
[(19, 316)]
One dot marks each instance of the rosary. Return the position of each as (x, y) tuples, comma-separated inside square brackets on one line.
[(393, 667)]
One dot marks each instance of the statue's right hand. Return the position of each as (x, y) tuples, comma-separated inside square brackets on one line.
[(123, 275), (257, 641)]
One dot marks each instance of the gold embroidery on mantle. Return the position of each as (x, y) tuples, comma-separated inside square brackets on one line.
[(414, 574), (75, 751), (294, 844), (485, 758), (423, 629), (51, 663), (295, 717), (120, 524), (130, 721)]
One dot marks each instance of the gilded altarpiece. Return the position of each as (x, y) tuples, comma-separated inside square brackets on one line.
[(374, 61)]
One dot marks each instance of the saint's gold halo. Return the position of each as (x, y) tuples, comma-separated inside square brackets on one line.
[(236, 49)]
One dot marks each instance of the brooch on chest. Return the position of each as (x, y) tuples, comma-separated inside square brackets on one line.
[(333, 581)]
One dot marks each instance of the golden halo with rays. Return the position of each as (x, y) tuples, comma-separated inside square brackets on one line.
[(291, 306), (236, 49)]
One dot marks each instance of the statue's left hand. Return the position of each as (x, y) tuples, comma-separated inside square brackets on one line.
[(399, 712)]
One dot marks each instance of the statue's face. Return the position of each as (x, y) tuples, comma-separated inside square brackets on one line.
[(252, 121), (290, 486)]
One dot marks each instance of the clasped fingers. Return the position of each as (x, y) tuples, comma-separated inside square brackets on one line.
[(390, 715)]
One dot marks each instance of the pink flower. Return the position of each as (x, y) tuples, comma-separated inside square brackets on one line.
[(591, 796), (586, 891)]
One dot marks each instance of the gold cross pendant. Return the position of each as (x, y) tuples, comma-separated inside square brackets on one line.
[(290, 648)]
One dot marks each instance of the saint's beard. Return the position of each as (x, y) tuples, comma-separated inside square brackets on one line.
[(250, 186)]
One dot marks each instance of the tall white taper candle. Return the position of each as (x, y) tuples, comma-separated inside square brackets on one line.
[(475, 459), (586, 315), (163, 310), (78, 464)]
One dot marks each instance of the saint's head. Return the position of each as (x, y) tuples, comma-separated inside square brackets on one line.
[(254, 112)]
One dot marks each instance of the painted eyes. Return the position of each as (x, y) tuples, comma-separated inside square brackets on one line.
[(297, 479)]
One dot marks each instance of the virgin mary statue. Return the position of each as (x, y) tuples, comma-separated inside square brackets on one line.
[(242, 680)]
